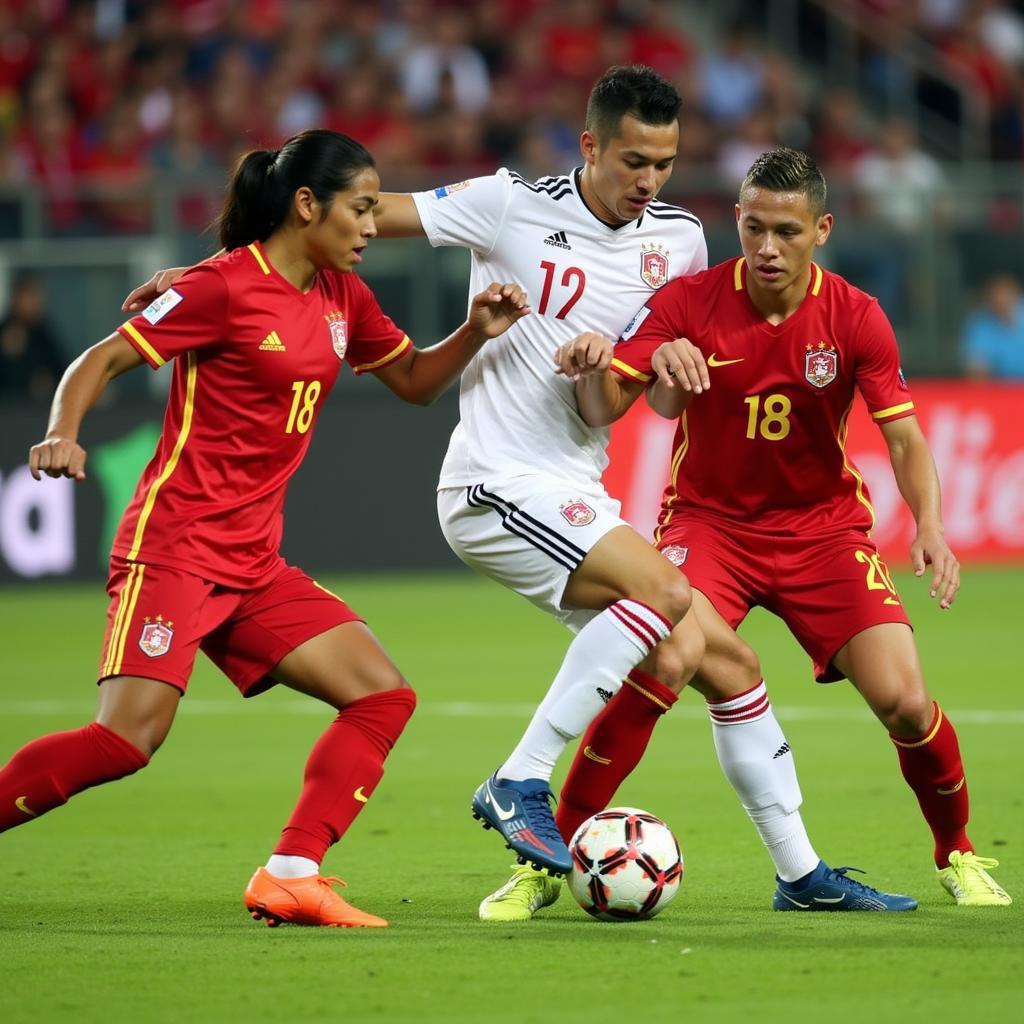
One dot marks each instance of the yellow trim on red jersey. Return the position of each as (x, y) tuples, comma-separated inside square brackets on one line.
[(819, 276), (931, 734), (172, 462), (398, 350), (259, 258), (118, 652), (893, 410), (677, 458), (147, 350), (849, 467), (737, 274), (628, 371)]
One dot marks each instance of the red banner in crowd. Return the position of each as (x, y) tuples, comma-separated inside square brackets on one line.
[(976, 433)]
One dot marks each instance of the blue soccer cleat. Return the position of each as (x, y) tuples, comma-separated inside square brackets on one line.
[(521, 812), (831, 889)]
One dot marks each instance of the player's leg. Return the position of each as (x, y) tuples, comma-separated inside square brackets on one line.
[(882, 662), (561, 551), (153, 621), (298, 634), (727, 575), (133, 719), (638, 597), (752, 749)]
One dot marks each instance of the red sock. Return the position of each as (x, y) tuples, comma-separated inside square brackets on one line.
[(932, 767), (611, 748), (50, 770), (343, 769)]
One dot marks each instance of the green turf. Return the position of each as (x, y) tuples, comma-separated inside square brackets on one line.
[(126, 904)]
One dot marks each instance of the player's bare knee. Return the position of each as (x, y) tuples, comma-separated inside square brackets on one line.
[(671, 596), (912, 714), (146, 736), (374, 679), (746, 663), (667, 664)]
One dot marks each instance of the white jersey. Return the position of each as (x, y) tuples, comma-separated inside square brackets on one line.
[(517, 415)]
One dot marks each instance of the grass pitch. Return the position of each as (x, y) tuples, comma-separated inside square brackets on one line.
[(125, 905)]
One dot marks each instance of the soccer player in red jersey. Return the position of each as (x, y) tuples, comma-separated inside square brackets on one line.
[(257, 336), (763, 507)]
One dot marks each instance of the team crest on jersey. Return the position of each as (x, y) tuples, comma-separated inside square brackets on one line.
[(339, 332), (821, 364), (156, 637), (654, 265), (675, 554), (577, 512)]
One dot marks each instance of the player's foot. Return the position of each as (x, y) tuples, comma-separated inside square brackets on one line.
[(831, 889), (309, 900), (526, 892), (967, 880), (521, 812)]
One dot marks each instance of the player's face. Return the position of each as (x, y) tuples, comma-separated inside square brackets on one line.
[(338, 240), (779, 233), (625, 172)]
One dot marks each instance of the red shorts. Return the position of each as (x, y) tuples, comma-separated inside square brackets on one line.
[(826, 589), (160, 616)]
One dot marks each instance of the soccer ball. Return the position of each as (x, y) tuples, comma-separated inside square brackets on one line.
[(626, 865)]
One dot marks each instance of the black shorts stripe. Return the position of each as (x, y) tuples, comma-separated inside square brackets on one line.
[(534, 532)]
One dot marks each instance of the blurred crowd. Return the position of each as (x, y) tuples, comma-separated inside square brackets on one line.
[(106, 104), (99, 98)]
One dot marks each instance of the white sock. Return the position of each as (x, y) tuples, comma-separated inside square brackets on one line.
[(600, 656), (282, 866), (757, 761)]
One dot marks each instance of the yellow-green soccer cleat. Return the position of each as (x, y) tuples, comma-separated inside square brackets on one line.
[(521, 896), (968, 881)]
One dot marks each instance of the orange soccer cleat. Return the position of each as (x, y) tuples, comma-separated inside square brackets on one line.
[(309, 901)]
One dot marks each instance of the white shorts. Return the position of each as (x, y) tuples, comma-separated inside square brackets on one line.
[(528, 533)]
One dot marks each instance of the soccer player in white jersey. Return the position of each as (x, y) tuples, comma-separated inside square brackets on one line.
[(520, 497)]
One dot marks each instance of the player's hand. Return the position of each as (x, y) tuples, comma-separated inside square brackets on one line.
[(497, 308), (586, 354), (930, 548), (681, 362), (142, 296), (57, 456)]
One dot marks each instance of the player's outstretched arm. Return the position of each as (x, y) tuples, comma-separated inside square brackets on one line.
[(918, 481), (680, 373), (59, 453), (396, 216), (602, 396), (422, 375)]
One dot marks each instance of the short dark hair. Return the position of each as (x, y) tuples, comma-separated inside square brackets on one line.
[(265, 180), (788, 170), (636, 90)]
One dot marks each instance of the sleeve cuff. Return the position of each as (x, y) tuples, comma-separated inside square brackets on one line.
[(629, 372), (396, 353), (135, 337), (894, 412)]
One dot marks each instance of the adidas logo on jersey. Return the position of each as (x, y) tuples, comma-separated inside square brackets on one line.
[(272, 343), (559, 239), (605, 695), (784, 749)]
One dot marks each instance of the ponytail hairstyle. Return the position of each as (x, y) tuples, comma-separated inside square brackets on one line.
[(265, 181)]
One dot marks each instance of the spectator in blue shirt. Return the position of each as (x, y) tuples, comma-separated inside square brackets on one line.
[(993, 337)]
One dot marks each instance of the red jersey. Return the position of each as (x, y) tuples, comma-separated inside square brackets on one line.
[(254, 360), (765, 445)]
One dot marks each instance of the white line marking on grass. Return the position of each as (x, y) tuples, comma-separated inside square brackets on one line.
[(481, 709)]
